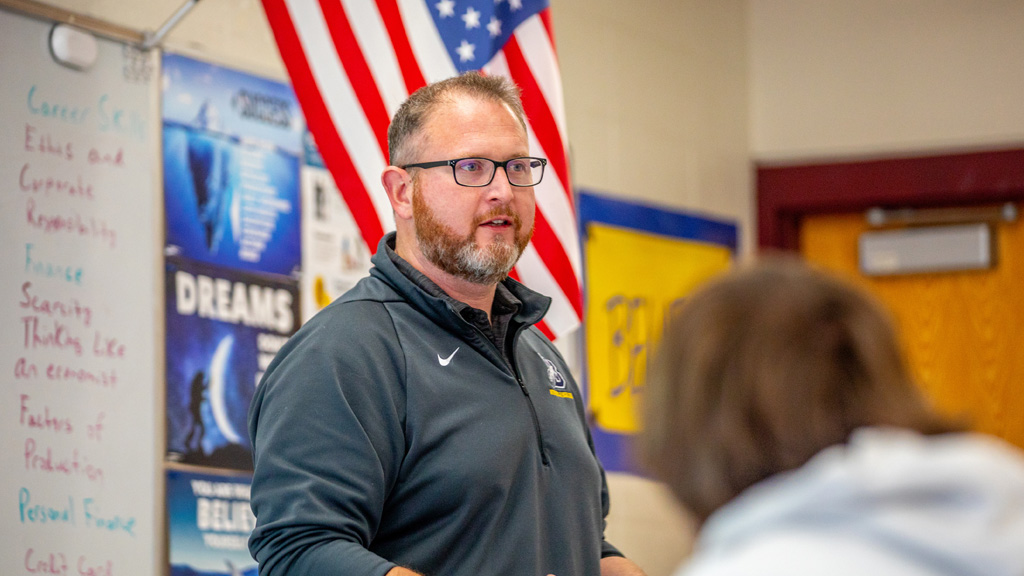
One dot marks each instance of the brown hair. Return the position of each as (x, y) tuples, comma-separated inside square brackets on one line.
[(761, 370), (413, 113)]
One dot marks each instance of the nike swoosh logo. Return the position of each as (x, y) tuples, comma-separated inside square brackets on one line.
[(446, 361)]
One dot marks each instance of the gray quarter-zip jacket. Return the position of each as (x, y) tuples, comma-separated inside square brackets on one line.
[(391, 431)]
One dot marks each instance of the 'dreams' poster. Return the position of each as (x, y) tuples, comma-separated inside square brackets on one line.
[(209, 522), (223, 329), (232, 150)]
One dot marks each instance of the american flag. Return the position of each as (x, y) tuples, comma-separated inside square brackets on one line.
[(353, 62)]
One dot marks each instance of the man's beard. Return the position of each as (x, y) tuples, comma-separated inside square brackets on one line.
[(461, 257)]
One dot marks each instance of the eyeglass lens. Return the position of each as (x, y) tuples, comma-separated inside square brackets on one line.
[(480, 171)]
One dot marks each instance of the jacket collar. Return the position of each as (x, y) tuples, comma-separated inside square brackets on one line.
[(441, 307)]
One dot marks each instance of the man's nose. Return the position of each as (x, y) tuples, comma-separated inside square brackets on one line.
[(500, 187)]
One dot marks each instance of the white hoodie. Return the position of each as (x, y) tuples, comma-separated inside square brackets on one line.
[(889, 502)]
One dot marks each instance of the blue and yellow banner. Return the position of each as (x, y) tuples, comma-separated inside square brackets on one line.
[(640, 262)]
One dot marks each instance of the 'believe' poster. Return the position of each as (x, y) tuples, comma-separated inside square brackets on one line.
[(209, 522)]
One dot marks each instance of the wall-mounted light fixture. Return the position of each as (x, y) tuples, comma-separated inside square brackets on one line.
[(73, 47)]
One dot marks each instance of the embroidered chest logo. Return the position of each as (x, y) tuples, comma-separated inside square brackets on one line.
[(555, 380), (446, 361)]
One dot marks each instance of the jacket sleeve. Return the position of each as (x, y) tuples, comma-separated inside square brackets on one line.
[(326, 426)]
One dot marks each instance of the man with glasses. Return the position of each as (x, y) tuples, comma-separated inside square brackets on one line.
[(421, 424)]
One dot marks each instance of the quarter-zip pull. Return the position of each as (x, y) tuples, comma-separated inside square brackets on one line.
[(536, 422)]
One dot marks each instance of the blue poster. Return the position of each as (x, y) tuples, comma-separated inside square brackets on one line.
[(209, 522), (232, 149), (223, 329)]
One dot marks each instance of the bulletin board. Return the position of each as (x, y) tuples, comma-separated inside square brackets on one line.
[(79, 194), (640, 261)]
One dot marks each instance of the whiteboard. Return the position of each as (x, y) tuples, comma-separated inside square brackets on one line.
[(78, 308)]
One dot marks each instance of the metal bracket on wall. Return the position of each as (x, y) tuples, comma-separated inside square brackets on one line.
[(154, 38)]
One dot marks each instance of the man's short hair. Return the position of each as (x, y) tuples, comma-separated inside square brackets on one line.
[(761, 370), (414, 112)]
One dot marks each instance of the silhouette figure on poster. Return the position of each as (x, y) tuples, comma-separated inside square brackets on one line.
[(197, 429)]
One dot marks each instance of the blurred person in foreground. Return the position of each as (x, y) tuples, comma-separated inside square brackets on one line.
[(779, 411), (421, 423)]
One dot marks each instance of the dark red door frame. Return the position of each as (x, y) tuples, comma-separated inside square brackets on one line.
[(785, 194)]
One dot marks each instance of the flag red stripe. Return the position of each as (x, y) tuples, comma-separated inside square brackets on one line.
[(545, 18), (357, 70), (541, 118), (319, 121), (552, 253), (411, 72)]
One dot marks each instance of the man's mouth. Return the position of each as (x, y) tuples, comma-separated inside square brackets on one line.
[(497, 222)]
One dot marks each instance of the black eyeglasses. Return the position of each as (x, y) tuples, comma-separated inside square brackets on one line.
[(477, 172)]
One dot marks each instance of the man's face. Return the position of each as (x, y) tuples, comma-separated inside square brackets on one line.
[(475, 234)]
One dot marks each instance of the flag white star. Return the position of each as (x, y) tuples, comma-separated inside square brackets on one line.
[(471, 18), (445, 8), (465, 51), (494, 27), (515, 4)]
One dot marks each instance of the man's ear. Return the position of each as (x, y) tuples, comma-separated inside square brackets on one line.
[(398, 184)]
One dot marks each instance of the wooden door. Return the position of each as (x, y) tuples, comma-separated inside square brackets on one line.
[(963, 331)]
